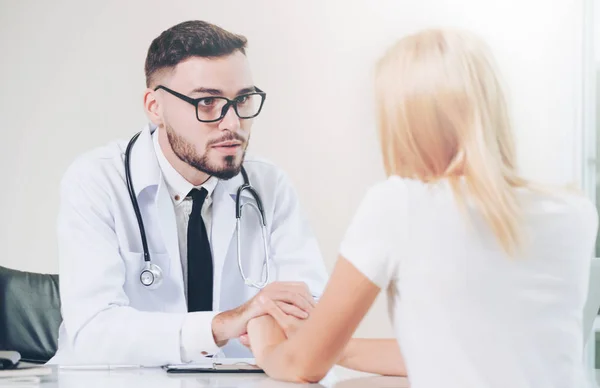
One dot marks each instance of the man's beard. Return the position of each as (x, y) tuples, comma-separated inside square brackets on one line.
[(186, 152)]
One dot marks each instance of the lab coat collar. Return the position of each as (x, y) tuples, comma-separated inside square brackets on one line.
[(144, 167), (230, 187)]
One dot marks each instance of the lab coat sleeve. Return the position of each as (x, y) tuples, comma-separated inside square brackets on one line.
[(197, 340), (100, 326), (293, 245)]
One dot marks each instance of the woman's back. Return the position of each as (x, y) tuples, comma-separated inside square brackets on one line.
[(465, 313), (487, 287)]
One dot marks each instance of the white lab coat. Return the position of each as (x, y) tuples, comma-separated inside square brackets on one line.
[(108, 316)]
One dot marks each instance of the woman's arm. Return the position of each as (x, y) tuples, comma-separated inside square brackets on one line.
[(264, 334), (319, 343), (380, 356)]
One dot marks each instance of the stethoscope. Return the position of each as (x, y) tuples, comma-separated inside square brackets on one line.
[(151, 275)]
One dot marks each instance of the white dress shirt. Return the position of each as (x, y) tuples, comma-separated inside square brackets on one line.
[(179, 188)]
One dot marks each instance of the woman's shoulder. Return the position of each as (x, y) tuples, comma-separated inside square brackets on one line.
[(557, 200), (393, 187), (385, 197), (396, 183), (572, 208), (404, 190)]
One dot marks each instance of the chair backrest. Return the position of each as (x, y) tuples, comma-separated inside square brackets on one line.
[(29, 314), (592, 305)]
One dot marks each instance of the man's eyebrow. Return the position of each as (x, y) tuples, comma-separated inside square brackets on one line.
[(212, 92), (218, 92), (250, 89)]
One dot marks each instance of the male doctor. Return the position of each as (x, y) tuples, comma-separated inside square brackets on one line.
[(185, 170)]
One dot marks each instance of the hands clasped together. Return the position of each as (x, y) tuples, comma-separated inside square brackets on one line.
[(289, 303)]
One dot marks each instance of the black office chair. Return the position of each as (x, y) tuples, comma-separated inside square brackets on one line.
[(29, 314)]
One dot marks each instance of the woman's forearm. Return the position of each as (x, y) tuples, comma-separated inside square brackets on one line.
[(266, 339), (306, 351), (379, 356), (265, 334)]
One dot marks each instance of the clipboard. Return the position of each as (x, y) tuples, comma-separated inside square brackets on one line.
[(216, 366)]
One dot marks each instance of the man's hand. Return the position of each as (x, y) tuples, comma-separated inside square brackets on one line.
[(288, 323), (291, 298)]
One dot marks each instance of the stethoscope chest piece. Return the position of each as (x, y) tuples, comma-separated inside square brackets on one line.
[(151, 276)]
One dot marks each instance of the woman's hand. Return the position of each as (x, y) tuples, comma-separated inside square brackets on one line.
[(288, 323)]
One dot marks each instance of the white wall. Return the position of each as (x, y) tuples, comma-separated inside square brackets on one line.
[(592, 103), (71, 78)]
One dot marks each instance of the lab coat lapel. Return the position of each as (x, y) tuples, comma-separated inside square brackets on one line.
[(146, 174), (145, 171), (223, 226), (168, 226)]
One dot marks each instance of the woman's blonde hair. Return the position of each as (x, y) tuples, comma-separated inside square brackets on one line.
[(442, 114)]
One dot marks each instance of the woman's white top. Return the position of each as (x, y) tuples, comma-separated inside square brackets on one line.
[(464, 313)]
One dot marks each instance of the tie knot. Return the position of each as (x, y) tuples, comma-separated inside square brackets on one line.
[(198, 195)]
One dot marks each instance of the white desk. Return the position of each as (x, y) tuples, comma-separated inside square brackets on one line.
[(158, 378)]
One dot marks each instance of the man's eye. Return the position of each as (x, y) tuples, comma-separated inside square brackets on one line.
[(242, 99), (208, 101)]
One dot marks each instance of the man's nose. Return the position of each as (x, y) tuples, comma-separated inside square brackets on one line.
[(230, 121)]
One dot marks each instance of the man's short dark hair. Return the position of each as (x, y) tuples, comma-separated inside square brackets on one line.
[(194, 38)]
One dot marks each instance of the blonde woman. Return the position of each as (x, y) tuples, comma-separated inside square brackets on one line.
[(486, 273)]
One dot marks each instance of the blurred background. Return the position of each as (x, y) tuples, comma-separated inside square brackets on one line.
[(72, 79)]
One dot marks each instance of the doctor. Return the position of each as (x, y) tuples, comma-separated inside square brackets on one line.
[(167, 285)]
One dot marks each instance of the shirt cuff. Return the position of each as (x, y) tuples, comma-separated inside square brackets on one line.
[(197, 340)]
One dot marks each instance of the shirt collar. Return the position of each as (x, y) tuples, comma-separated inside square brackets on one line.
[(177, 185)]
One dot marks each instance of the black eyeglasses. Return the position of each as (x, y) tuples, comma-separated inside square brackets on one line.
[(211, 109)]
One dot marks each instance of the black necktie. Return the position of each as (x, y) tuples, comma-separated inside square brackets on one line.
[(199, 257)]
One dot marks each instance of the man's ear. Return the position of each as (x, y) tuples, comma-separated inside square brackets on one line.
[(152, 107)]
